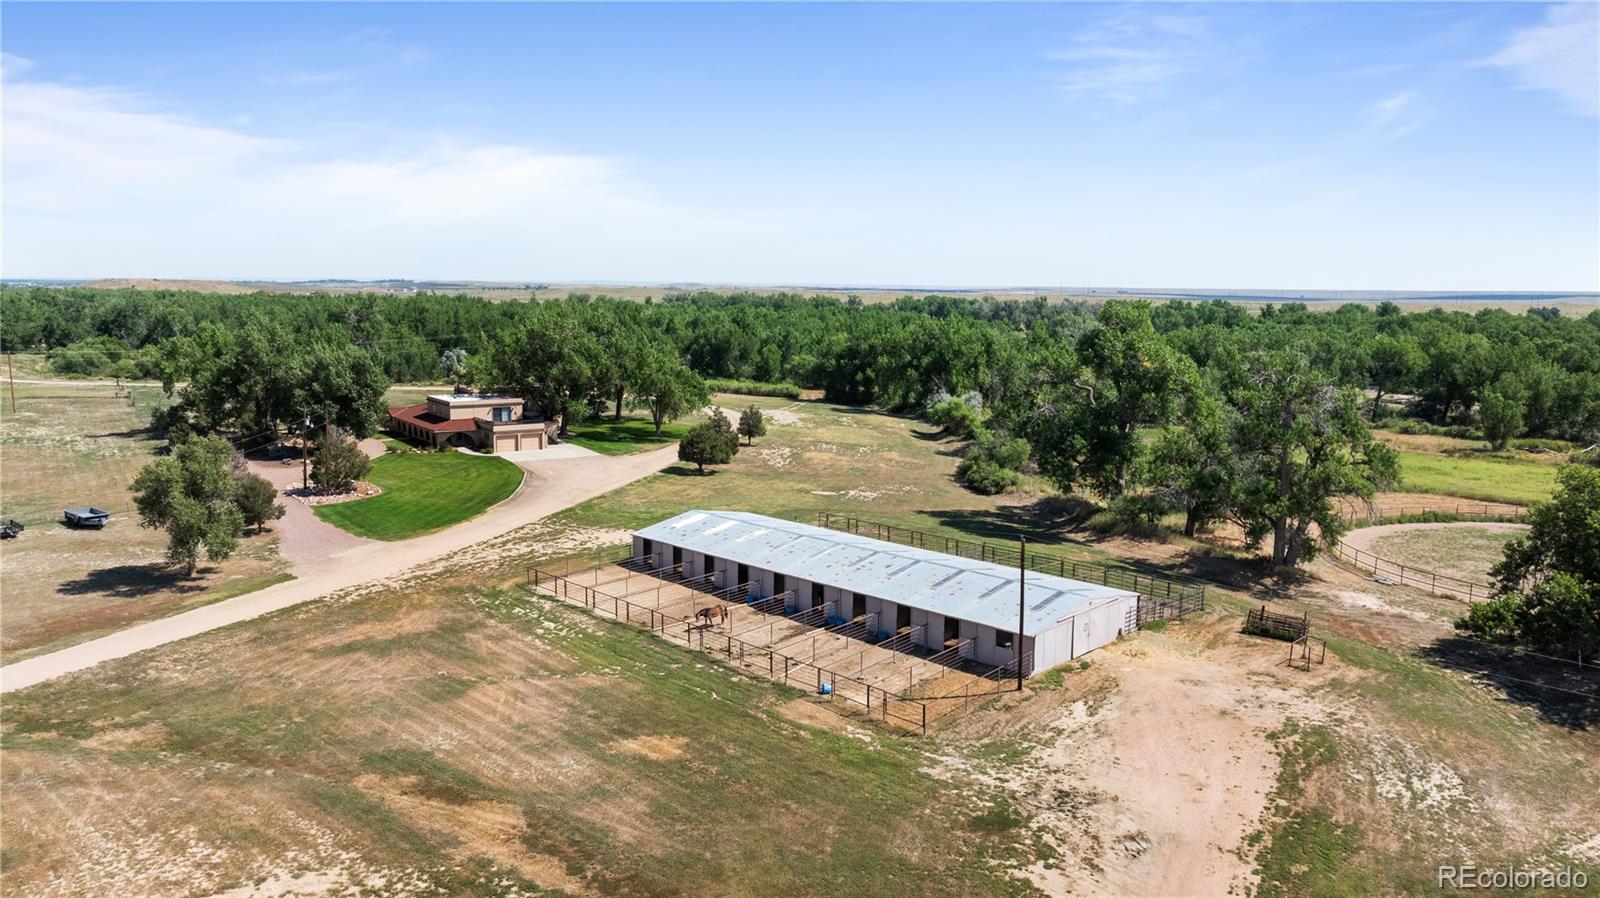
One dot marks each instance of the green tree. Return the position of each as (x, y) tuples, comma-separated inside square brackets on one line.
[(190, 494), (1393, 364), (667, 387), (1501, 412), (1298, 444), (337, 463), (1130, 376), (1191, 467), (1548, 583), (257, 500), (709, 443), (752, 424)]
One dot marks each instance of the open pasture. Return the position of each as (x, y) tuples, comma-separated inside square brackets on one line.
[(82, 445), (464, 741)]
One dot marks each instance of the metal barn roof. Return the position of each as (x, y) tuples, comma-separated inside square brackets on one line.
[(979, 591)]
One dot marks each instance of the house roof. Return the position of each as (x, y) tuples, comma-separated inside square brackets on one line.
[(966, 588), (421, 417)]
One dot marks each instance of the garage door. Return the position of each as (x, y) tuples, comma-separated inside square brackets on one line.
[(505, 443)]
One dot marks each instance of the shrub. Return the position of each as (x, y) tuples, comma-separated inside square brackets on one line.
[(257, 500), (337, 463), (753, 388), (984, 476), (993, 465), (708, 444), (958, 417)]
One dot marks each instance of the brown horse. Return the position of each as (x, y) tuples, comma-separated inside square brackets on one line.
[(711, 615)]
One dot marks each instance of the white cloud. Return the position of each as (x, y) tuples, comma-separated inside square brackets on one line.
[(1561, 55), (97, 182), (11, 64), (1395, 114), (1128, 56)]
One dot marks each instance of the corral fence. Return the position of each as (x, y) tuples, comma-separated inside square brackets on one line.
[(1160, 598), (1365, 514), (1458, 588), (1434, 582), (1290, 627), (877, 701)]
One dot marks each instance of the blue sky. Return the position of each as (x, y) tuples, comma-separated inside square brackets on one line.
[(1332, 146)]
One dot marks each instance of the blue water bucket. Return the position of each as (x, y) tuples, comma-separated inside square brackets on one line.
[(825, 689)]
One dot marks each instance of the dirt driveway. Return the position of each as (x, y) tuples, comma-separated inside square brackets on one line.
[(556, 485)]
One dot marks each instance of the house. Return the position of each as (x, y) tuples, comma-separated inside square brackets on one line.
[(942, 600), (482, 421)]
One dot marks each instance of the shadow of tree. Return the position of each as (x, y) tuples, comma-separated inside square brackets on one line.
[(127, 581), (1563, 694)]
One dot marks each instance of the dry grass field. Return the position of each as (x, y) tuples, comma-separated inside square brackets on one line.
[(1465, 551), (82, 445), (454, 734)]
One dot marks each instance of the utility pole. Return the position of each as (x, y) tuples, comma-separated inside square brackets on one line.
[(1022, 599), (305, 454)]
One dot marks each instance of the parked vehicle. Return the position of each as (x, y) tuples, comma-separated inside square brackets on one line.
[(87, 516), (11, 528)]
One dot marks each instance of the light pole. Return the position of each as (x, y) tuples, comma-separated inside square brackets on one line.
[(1022, 599), (305, 454)]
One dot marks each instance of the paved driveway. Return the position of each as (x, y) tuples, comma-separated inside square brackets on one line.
[(559, 484)]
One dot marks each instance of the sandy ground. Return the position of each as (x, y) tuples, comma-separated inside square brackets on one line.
[(1364, 537), (1154, 776), (556, 486)]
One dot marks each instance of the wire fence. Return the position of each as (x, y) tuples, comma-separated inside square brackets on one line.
[(1459, 588), (1159, 597), (892, 706)]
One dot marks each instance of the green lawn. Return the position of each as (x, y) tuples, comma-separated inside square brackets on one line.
[(423, 492), (1489, 480), (625, 436)]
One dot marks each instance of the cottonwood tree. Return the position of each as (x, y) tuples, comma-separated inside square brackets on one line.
[(667, 387), (752, 424), (190, 494), (1192, 467), (1127, 375), (1298, 443), (1393, 363), (1548, 583), (1501, 412)]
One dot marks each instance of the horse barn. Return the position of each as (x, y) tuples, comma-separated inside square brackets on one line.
[(895, 588)]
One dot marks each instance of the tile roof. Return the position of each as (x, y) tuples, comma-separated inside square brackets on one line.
[(421, 417)]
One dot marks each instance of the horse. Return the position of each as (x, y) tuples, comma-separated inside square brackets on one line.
[(711, 615)]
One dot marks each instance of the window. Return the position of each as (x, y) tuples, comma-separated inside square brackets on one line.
[(502, 413), (1002, 639)]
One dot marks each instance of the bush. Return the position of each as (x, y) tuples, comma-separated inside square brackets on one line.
[(708, 444), (752, 388), (993, 465), (984, 476), (101, 357), (961, 417)]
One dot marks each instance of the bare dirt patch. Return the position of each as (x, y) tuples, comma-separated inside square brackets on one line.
[(656, 748), (488, 829), (1464, 550)]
